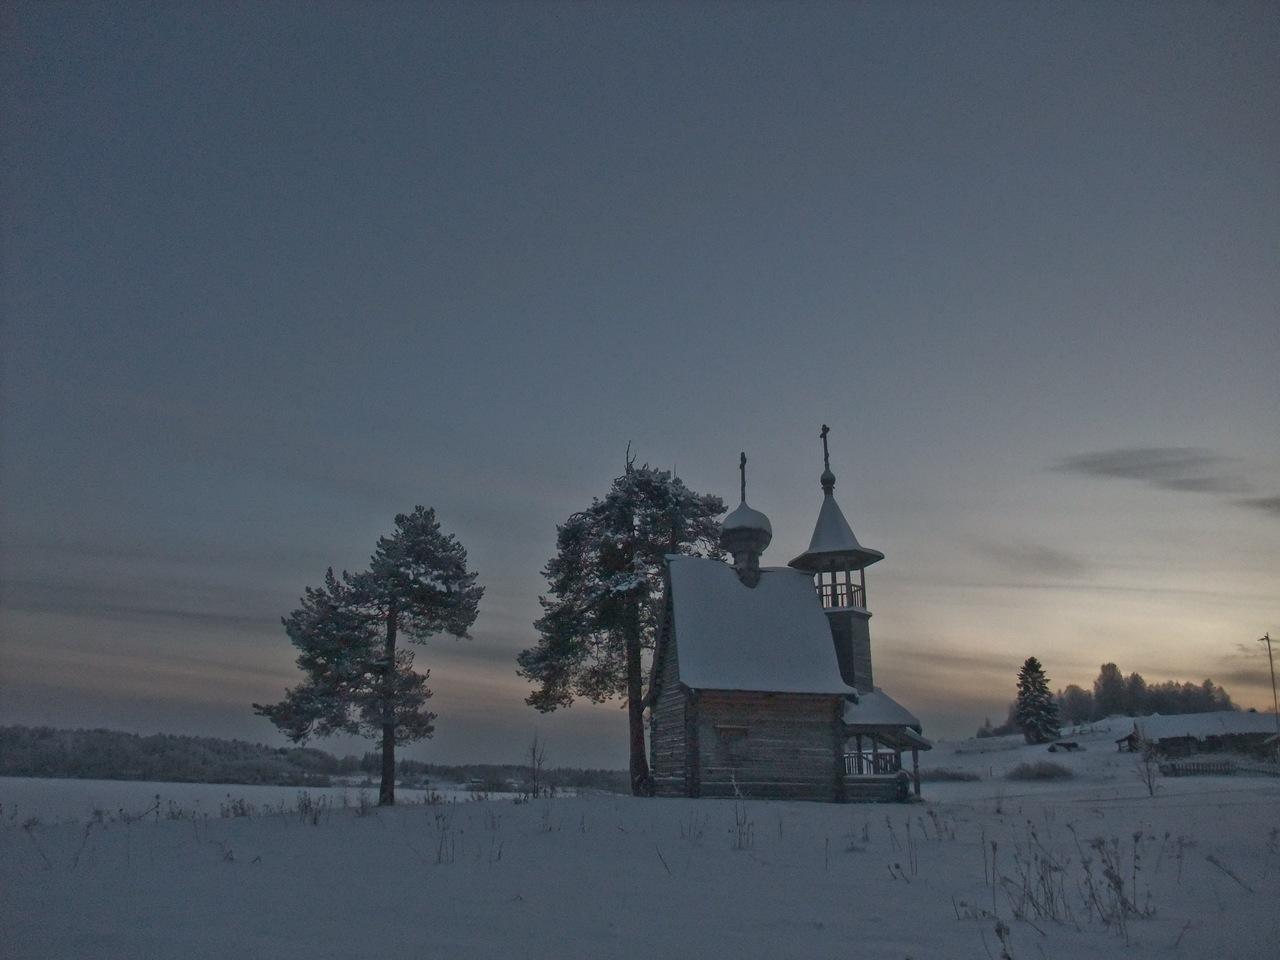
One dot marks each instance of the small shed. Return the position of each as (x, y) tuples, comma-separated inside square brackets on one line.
[(1129, 743)]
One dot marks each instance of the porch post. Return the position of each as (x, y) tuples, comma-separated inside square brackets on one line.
[(915, 768)]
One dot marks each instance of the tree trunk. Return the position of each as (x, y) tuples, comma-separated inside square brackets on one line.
[(387, 790), (635, 703)]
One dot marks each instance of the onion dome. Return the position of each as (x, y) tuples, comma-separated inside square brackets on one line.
[(746, 533), (746, 520)]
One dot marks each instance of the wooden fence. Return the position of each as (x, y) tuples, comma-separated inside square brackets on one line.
[(1197, 768), (1202, 768)]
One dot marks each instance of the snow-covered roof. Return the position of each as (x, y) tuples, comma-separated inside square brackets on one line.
[(924, 743), (833, 538), (878, 709), (770, 637), (1202, 725)]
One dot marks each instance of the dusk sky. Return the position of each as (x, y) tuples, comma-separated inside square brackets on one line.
[(275, 272)]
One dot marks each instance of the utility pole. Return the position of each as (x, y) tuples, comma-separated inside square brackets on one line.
[(1275, 704)]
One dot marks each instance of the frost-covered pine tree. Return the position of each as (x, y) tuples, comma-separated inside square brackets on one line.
[(1035, 710), (605, 585), (358, 680)]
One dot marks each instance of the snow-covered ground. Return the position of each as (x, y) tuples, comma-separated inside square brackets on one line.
[(1086, 867), (53, 801)]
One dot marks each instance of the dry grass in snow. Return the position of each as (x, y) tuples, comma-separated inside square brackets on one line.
[(1087, 867)]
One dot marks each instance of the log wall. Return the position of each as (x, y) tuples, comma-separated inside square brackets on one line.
[(785, 746), (668, 754)]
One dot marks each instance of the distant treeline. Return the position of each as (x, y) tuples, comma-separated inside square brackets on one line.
[(502, 776), (115, 755), (1113, 693)]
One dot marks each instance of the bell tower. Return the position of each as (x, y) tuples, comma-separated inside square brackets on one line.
[(839, 564)]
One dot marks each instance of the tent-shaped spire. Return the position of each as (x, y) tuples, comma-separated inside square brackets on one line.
[(833, 545)]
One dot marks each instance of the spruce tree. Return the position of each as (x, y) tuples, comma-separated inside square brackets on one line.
[(1036, 711), (605, 586), (358, 680)]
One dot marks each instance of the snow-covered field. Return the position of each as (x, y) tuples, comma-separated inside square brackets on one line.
[(1086, 867), (53, 801)]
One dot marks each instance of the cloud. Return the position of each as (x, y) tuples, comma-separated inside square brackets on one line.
[(1248, 651), (1269, 505), (83, 598), (1186, 469), (1242, 677), (1034, 558), (967, 663)]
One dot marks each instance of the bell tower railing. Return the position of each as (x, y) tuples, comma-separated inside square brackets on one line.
[(840, 588)]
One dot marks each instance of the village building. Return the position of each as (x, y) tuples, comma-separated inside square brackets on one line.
[(1184, 734), (762, 682)]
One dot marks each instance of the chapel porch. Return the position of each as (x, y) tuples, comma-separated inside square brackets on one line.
[(879, 733)]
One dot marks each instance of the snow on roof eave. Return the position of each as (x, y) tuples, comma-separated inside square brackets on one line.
[(918, 741), (812, 562)]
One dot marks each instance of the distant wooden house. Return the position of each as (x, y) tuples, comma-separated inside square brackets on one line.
[(762, 681), (1180, 735)]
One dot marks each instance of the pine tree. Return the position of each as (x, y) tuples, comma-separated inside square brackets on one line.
[(358, 680), (1037, 713), (605, 584)]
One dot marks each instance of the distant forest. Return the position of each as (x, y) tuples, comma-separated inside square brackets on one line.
[(1113, 693), (115, 755)]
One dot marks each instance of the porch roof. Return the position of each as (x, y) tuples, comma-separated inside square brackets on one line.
[(878, 709), (879, 714)]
